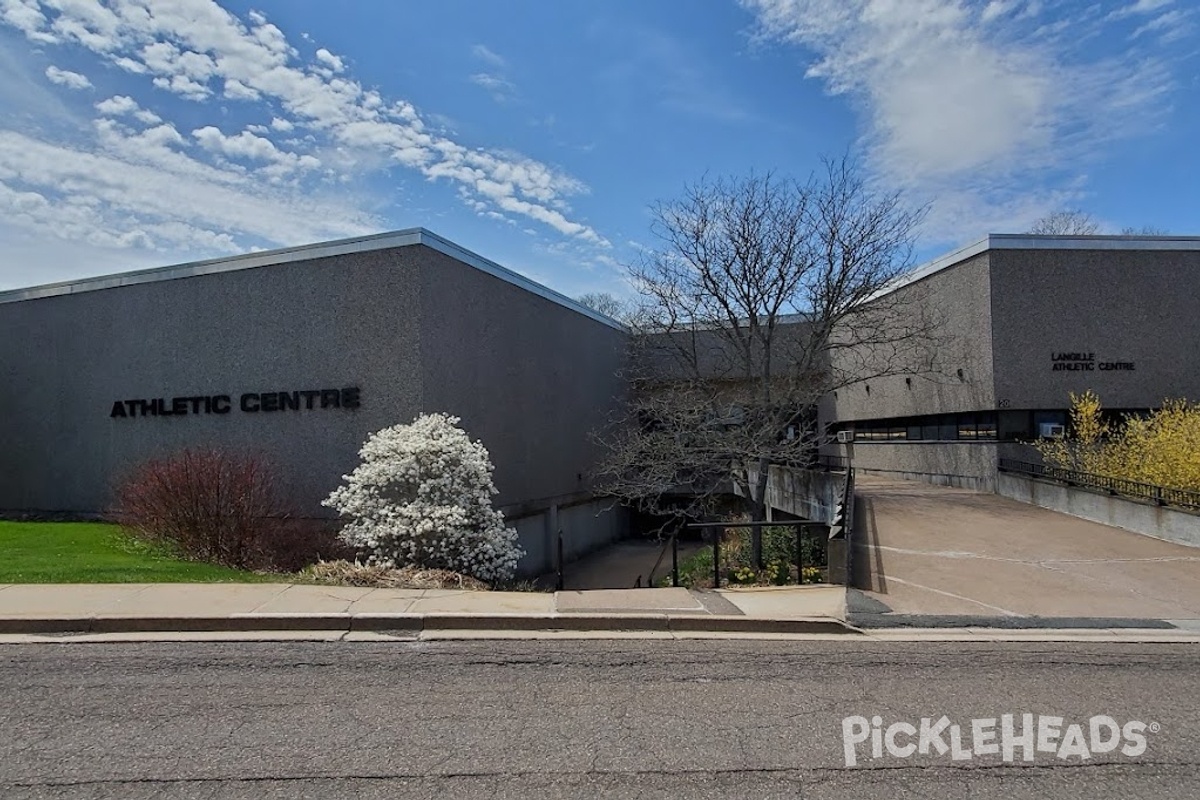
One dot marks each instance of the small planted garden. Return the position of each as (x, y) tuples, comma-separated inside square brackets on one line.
[(780, 548)]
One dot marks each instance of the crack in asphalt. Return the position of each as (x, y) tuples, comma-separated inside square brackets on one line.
[(926, 769)]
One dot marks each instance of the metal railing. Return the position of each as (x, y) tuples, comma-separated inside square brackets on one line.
[(672, 544), (1119, 487), (717, 529)]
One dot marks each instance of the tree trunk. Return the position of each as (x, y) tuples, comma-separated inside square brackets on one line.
[(758, 504)]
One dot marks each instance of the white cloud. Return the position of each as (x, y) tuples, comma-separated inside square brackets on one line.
[(63, 77), (247, 145), (141, 191), (499, 87), (1172, 25), (1142, 7), (487, 55), (330, 60), (494, 81), (119, 105), (27, 17), (236, 90), (198, 51), (991, 109)]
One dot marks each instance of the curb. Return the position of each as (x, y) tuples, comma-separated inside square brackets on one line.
[(876, 622), (415, 624)]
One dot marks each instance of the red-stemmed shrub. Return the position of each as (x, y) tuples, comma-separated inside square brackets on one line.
[(222, 508)]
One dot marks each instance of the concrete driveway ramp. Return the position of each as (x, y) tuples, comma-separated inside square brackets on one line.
[(935, 550)]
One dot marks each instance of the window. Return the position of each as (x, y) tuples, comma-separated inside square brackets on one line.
[(970, 426)]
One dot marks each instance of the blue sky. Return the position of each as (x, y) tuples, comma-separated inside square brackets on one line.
[(138, 133)]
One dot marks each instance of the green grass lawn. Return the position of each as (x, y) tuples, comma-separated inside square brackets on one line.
[(93, 552)]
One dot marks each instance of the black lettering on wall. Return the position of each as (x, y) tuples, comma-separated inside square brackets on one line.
[(348, 397)]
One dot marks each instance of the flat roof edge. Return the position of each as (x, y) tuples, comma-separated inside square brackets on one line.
[(1029, 241), (286, 255), (191, 269)]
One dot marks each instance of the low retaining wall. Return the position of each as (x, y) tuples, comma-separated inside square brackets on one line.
[(1161, 522), (587, 525), (808, 494), (976, 482)]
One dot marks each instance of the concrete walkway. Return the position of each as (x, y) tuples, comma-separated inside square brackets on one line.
[(86, 613), (619, 566), (934, 550), (33, 608)]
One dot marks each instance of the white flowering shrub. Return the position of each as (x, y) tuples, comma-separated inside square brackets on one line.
[(423, 497)]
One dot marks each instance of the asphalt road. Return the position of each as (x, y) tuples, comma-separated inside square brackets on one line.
[(564, 719)]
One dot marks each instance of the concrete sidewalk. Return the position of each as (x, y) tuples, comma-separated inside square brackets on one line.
[(269, 612), (117, 608)]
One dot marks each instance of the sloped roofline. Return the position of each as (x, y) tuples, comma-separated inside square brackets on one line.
[(308, 252)]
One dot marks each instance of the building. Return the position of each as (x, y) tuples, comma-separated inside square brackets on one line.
[(298, 355), (1026, 320)]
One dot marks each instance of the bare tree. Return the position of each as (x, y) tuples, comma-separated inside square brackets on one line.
[(1066, 223), (767, 295), (1145, 230), (607, 304)]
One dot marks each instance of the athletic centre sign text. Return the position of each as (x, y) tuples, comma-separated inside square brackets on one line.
[(249, 403)]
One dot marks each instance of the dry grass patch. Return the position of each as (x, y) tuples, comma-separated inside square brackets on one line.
[(351, 573)]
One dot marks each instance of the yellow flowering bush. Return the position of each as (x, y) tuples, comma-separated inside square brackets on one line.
[(1161, 449)]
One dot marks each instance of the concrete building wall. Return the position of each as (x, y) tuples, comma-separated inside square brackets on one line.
[(411, 327), (349, 321), (957, 302), (967, 465), (1126, 305), (530, 377)]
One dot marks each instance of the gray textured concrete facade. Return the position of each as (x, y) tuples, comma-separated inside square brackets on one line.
[(1023, 321), (410, 321), (413, 323)]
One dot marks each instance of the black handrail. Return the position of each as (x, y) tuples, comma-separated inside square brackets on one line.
[(673, 543), (1162, 495)]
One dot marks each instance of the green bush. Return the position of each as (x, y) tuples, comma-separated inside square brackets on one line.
[(779, 560)]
